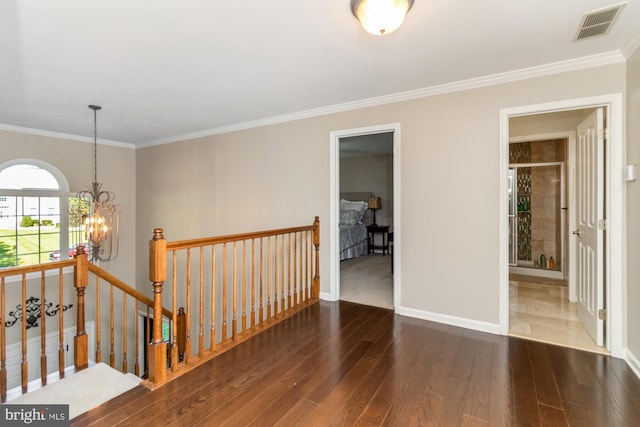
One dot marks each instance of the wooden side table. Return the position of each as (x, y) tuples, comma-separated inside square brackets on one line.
[(372, 230)]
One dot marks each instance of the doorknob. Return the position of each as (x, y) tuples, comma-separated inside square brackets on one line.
[(576, 232)]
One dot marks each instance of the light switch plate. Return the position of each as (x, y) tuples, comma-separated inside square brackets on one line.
[(630, 174)]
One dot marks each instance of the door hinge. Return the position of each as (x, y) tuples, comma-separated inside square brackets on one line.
[(602, 224), (602, 314), (603, 134)]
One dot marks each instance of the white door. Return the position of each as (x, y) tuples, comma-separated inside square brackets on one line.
[(588, 236)]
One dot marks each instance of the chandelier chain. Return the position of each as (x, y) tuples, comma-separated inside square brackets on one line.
[(95, 109)]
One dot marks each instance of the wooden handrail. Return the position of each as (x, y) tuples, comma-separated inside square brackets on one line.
[(105, 275), (249, 289), (191, 243), (56, 265)]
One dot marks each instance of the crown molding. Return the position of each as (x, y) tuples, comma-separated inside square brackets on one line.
[(585, 62), (60, 135), (495, 79), (631, 45)]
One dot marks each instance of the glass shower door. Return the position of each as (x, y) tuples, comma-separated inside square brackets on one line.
[(537, 215)]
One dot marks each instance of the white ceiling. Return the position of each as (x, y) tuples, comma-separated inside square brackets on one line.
[(165, 70), (366, 145)]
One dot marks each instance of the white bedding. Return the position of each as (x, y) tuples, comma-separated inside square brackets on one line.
[(353, 240), (353, 232)]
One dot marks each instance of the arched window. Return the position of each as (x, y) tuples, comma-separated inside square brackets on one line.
[(34, 218)]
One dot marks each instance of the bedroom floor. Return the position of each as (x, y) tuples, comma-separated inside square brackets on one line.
[(367, 280)]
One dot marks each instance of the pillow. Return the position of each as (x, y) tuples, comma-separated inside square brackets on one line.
[(350, 217), (360, 207)]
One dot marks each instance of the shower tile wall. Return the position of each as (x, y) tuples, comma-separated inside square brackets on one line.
[(547, 151), (545, 200)]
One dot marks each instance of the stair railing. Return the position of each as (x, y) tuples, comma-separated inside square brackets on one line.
[(119, 303), (228, 288), (254, 280)]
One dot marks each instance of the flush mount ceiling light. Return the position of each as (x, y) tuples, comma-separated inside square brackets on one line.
[(380, 17)]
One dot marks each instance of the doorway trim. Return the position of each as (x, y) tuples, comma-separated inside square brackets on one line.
[(615, 201), (334, 213)]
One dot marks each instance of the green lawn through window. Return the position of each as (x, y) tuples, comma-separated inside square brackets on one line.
[(33, 246)]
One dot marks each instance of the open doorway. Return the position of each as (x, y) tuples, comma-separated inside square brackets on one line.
[(543, 203), (366, 219), (554, 121), (365, 179)]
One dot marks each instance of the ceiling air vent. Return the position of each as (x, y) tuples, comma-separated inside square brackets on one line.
[(598, 22)]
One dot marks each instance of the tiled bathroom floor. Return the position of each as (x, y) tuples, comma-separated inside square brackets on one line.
[(542, 312)]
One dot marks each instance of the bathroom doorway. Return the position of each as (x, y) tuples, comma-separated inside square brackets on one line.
[(547, 120), (542, 199)]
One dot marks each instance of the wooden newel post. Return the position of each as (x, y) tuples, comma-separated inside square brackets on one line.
[(157, 349), (81, 340), (316, 244)]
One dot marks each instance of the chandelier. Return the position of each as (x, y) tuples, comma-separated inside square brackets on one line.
[(102, 221), (380, 17)]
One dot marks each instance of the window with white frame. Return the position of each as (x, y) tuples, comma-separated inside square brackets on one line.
[(35, 223)]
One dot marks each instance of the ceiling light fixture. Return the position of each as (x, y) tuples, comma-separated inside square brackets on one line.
[(101, 217), (380, 17)]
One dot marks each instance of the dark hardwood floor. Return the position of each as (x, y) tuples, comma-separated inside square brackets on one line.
[(345, 364)]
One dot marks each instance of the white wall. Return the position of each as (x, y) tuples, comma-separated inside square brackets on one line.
[(278, 176), (633, 206), (373, 174)]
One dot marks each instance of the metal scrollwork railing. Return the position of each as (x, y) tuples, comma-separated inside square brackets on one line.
[(33, 311)]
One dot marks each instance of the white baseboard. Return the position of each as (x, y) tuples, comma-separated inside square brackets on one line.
[(476, 325), (633, 362), (326, 296), (461, 322)]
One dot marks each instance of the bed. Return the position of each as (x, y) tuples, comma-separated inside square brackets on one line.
[(354, 218)]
